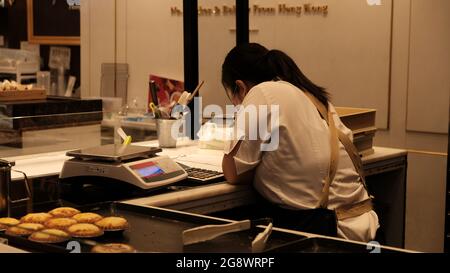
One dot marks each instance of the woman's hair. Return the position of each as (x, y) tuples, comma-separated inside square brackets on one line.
[(253, 63)]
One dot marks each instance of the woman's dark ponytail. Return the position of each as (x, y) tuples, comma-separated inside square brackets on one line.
[(287, 70), (255, 64)]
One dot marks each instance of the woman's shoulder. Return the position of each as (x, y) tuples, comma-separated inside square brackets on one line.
[(280, 90), (274, 93), (274, 88), (275, 84)]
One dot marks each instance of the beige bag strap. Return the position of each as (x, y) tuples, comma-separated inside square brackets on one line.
[(354, 156), (336, 134), (334, 146)]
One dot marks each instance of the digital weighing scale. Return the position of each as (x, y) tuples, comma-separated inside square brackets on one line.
[(135, 165)]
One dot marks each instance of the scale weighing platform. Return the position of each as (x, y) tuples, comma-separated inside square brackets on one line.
[(135, 165)]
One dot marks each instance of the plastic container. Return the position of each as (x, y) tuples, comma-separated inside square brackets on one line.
[(167, 130), (44, 81)]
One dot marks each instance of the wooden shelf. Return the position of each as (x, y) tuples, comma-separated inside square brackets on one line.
[(19, 95)]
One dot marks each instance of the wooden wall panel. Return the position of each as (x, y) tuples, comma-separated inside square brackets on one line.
[(346, 51), (429, 69), (425, 202)]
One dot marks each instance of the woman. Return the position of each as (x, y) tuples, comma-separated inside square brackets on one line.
[(304, 179)]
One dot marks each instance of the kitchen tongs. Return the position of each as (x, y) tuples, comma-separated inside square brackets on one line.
[(209, 232)]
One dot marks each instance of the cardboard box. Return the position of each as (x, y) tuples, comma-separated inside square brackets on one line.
[(362, 123), (357, 118), (363, 140)]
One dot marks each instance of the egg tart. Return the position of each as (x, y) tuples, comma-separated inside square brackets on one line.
[(87, 217), (24, 229), (38, 218), (84, 230), (64, 212), (113, 223), (60, 223), (49, 236), (7, 222), (113, 248)]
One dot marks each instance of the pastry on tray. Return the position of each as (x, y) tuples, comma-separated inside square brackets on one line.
[(49, 236), (64, 212), (24, 229), (87, 217), (113, 223), (7, 222), (113, 248), (60, 223), (39, 218), (14, 86), (84, 230)]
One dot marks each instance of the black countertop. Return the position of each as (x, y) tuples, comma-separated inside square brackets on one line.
[(53, 112)]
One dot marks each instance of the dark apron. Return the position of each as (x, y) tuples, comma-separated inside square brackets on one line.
[(318, 221)]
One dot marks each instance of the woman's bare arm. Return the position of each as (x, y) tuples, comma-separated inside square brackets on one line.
[(229, 169)]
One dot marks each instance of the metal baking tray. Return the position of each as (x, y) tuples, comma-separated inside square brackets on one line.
[(160, 230), (325, 245)]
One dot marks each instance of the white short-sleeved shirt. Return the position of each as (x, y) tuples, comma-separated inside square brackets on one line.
[(293, 174)]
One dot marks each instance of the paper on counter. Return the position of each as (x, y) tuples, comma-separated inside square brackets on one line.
[(203, 161), (189, 153)]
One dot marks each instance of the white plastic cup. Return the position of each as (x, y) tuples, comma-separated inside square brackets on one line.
[(167, 132), (43, 81)]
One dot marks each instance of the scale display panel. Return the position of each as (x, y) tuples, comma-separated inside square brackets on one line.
[(147, 170)]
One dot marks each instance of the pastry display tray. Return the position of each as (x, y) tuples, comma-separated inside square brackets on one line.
[(160, 231), (19, 95)]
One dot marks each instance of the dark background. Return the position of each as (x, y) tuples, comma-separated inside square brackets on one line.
[(55, 20), (13, 26)]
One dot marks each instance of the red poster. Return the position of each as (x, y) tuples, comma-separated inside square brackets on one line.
[(168, 90)]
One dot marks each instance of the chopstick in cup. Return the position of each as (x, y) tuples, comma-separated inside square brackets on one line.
[(196, 91)]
